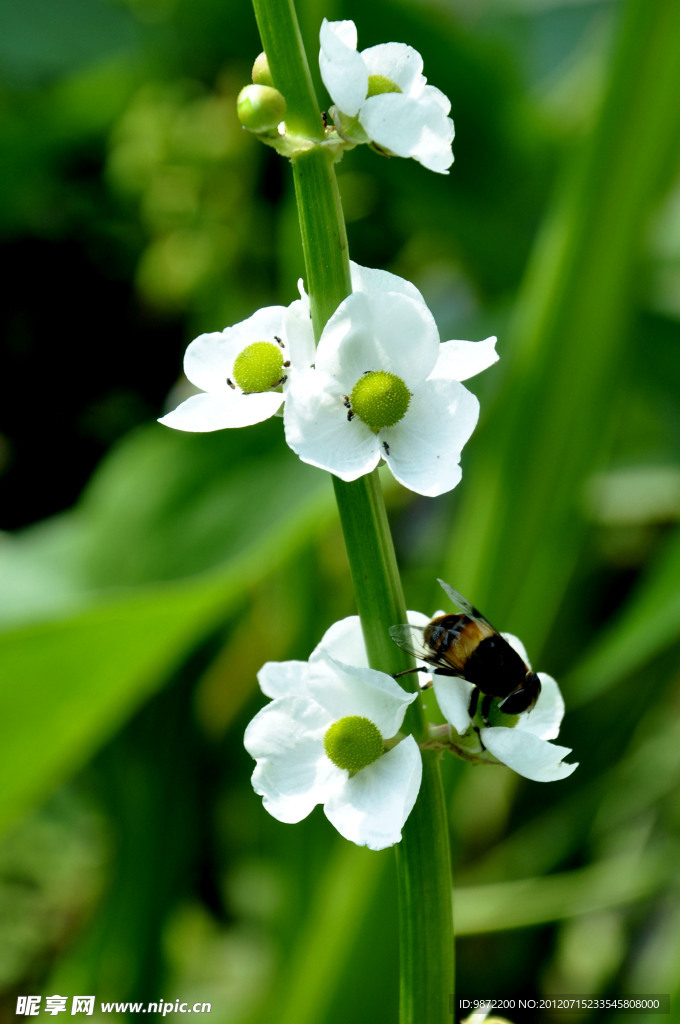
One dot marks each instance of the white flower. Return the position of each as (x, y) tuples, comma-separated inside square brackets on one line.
[(525, 748), (384, 387), (291, 738), (380, 95), (243, 371)]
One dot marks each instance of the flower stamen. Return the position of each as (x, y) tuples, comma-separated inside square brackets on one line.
[(258, 367), (353, 743), (378, 84), (380, 399)]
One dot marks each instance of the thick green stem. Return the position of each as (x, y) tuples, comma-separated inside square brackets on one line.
[(425, 906), (426, 936), (324, 240)]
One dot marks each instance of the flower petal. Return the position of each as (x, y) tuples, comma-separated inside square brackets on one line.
[(299, 335), (453, 696), (317, 428), (343, 71), (528, 755), (379, 331), (545, 718), (374, 281), (283, 678), (400, 63), (209, 359), (424, 447), (410, 128), (219, 410), (344, 642), (292, 774), (372, 806), (459, 360), (359, 691)]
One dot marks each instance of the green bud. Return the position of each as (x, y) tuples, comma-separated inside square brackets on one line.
[(380, 399), (260, 108), (258, 367), (261, 74), (353, 743), (378, 84)]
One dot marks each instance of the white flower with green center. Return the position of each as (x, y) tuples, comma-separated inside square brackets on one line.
[(384, 387), (381, 96), (243, 371), (522, 742), (331, 736)]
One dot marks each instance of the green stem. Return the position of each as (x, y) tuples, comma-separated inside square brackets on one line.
[(423, 860), (324, 239)]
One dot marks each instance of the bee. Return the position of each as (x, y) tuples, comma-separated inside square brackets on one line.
[(469, 647)]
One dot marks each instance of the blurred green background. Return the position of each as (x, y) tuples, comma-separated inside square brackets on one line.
[(146, 574)]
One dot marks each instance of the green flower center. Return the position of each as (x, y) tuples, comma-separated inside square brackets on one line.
[(380, 399), (353, 743), (258, 367), (497, 717), (378, 84)]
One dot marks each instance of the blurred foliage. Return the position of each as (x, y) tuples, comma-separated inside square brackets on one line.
[(146, 575)]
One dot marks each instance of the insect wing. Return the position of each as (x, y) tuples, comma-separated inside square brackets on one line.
[(412, 640), (468, 608)]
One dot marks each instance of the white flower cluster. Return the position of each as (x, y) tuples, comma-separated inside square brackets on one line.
[(380, 384), (381, 97), (331, 736)]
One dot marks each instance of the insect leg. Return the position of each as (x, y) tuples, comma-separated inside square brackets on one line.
[(486, 708), (474, 698)]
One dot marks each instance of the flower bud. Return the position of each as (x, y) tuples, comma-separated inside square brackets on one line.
[(261, 74), (260, 108)]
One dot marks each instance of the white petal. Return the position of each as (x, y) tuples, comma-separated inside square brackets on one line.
[(345, 31), (400, 63), (359, 691), (343, 641), (292, 774), (410, 128), (219, 410), (459, 360), (434, 95), (298, 335), (373, 281), (317, 428), (343, 71), (283, 678), (528, 755), (546, 716), (379, 331), (425, 446), (453, 696), (372, 807), (209, 359)]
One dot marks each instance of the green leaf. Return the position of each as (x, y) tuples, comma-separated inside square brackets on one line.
[(648, 624), (100, 637)]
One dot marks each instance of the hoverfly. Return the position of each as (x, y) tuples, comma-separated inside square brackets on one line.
[(468, 646)]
